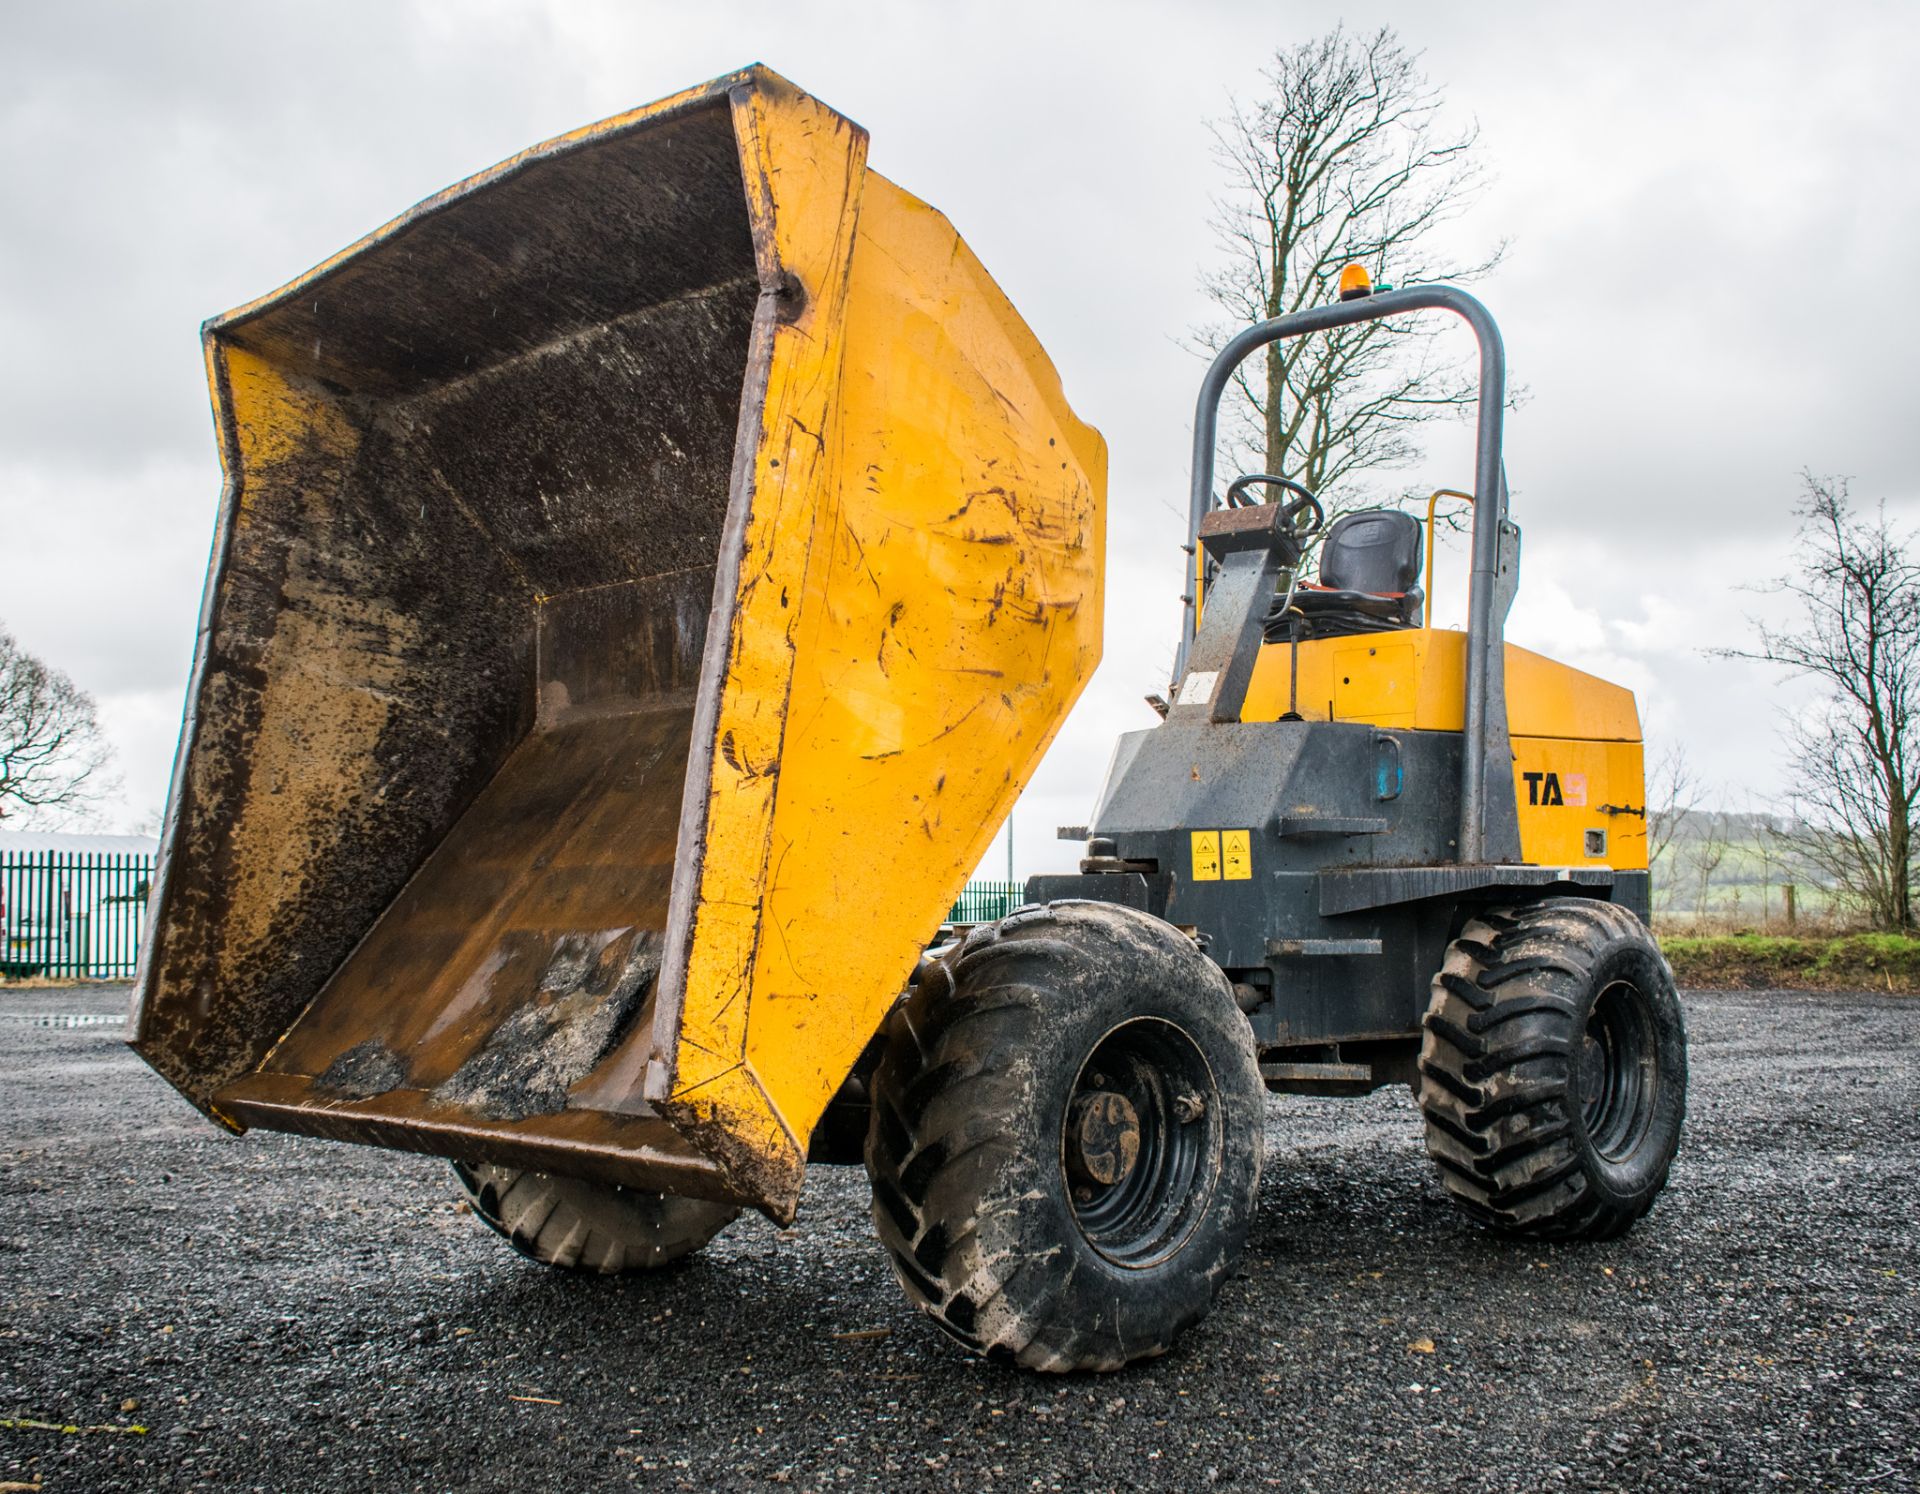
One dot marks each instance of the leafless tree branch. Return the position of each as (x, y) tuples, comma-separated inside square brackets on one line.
[(1857, 633), (1673, 793), (1344, 157), (52, 755)]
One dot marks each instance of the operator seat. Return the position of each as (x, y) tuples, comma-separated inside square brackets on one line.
[(1369, 570)]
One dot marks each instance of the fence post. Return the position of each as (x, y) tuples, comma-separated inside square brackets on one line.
[(1788, 892)]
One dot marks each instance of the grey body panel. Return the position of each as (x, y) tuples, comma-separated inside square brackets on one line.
[(1354, 886)]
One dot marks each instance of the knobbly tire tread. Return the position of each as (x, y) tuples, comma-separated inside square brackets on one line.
[(957, 1185), (1502, 1034), (579, 1225)]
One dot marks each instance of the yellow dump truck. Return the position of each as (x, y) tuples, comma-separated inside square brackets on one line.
[(646, 575)]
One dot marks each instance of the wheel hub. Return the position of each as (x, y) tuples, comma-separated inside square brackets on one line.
[(1616, 1072), (1140, 1141), (1103, 1137)]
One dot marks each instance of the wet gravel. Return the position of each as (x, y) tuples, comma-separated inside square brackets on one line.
[(286, 1314)]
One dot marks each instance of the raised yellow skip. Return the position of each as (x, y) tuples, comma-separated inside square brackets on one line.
[(653, 565)]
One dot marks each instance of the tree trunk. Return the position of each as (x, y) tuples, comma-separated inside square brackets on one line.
[(1276, 423), (1900, 893)]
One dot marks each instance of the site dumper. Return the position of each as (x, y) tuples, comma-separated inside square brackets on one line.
[(647, 573)]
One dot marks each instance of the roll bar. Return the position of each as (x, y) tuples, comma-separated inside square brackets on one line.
[(1486, 661)]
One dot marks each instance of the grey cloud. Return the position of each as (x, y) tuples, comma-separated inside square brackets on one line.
[(1711, 209)]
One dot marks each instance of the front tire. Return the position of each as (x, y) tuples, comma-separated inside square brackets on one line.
[(1065, 1144), (580, 1225), (1553, 1069)]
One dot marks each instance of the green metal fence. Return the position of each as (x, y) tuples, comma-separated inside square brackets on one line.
[(72, 914), (985, 902)]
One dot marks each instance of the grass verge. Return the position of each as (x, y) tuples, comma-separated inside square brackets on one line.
[(1846, 962)]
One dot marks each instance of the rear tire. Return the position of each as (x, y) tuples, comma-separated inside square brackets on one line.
[(1553, 1070), (586, 1226), (1065, 1145)]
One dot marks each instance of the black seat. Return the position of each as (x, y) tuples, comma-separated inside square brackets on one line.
[(1369, 574)]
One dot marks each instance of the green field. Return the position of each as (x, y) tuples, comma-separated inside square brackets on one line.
[(1851, 962), (1726, 873)]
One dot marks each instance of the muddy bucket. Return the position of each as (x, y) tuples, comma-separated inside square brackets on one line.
[(647, 572)]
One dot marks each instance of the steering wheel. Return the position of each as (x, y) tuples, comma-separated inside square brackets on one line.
[(1303, 514)]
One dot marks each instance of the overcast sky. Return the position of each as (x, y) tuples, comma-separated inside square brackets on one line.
[(1713, 208)]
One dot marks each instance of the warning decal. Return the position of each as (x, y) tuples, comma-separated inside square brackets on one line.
[(1222, 855)]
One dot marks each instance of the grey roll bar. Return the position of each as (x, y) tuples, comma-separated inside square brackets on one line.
[(1486, 661)]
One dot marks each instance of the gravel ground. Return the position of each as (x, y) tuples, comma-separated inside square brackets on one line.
[(284, 1314)]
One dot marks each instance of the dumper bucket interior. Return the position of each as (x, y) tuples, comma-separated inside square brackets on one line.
[(646, 575)]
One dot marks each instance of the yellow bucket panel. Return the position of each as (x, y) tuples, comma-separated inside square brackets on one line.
[(950, 619), (804, 167), (917, 615)]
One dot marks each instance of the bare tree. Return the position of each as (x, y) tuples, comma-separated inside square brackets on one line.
[(1767, 848), (52, 755), (1857, 590), (1343, 158), (1673, 793), (1707, 850)]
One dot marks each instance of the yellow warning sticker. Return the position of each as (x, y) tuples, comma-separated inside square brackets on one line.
[(1236, 855), (1206, 855)]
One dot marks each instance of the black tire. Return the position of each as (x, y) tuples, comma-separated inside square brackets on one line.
[(1553, 1069), (1017, 1213), (585, 1226)]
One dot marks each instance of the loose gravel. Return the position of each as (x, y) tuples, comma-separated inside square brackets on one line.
[(282, 1314)]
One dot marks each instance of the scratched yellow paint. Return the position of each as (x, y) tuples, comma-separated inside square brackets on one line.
[(1562, 720), (802, 166), (918, 606)]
